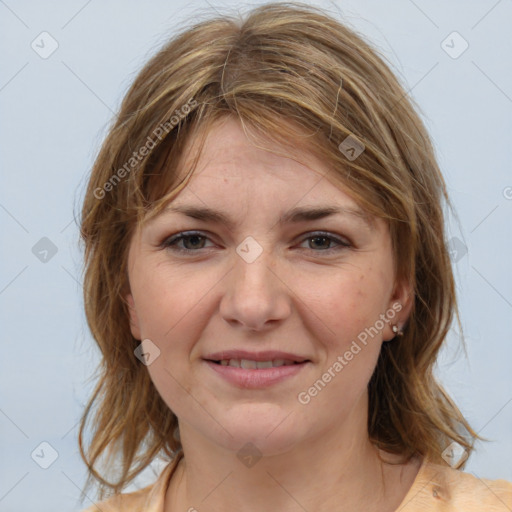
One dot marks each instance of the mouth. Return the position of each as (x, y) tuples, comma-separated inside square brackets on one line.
[(256, 370), (249, 364)]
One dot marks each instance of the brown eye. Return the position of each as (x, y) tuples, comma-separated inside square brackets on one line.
[(322, 242), (190, 242)]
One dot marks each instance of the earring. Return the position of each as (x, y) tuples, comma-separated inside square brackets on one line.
[(397, 330)]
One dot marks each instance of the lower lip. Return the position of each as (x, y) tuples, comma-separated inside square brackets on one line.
[(256, 378)]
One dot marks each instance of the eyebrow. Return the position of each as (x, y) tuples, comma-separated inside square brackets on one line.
[(295, 215)]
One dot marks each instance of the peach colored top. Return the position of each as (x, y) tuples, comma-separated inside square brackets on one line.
[(436, 488)]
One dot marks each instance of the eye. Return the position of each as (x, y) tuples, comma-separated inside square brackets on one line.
[(322, 241), (192, 241)]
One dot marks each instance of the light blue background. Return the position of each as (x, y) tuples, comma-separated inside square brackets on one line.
[(54, 115)]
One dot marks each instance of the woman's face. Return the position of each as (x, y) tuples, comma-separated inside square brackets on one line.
[(263, 323)]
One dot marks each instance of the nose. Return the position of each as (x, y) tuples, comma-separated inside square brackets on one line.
[(255, 297)]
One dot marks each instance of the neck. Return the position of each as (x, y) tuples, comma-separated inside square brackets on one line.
[(334, 472)]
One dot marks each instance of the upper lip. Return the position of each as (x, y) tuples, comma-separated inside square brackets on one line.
[(267, 355)]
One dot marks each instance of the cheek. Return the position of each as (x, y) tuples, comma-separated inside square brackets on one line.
[(173, 308), (346, 304), (170, 302), (346, 308)]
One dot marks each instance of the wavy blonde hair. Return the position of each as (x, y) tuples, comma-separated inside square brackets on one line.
[(294, 73)]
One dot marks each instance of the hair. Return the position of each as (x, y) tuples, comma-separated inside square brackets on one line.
[(296, 75)]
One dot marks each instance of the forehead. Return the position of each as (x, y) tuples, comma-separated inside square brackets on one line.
[(236, 172), (233, 155)]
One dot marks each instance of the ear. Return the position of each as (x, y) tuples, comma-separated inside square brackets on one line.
[(399, 309), (134, 319)]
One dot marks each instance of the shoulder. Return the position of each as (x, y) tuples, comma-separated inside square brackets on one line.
[(442, 488), (150, 498)]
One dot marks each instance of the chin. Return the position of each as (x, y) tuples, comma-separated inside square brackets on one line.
[(268, 428)]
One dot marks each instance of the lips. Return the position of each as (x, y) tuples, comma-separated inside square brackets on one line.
[(251, 364), (255, 369), (255, 360)]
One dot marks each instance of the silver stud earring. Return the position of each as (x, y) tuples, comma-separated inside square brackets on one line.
[(397, 330)]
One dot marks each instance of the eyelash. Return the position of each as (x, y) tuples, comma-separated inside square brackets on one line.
[(171, 242)]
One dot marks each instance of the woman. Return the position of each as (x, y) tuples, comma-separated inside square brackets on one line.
[(268, 280)]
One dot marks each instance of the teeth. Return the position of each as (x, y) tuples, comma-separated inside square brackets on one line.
[(254, 365), (264, 364)]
